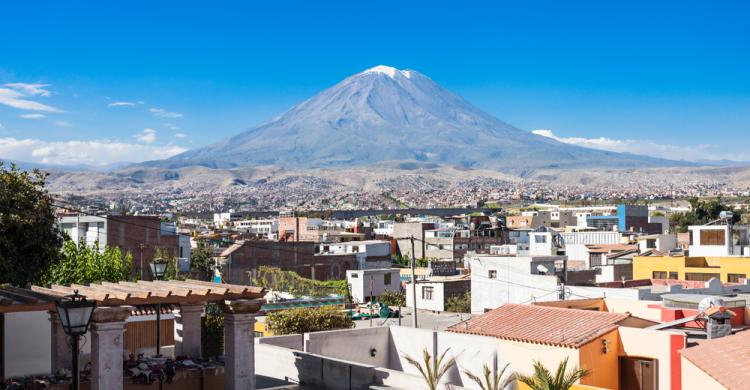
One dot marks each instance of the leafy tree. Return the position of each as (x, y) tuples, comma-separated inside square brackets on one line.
[(82, 264), (543, 379), (459, 303), (701, 212), (29, 238), (213, 331), (309, 319), (393, 298), (201, 260), (432, 368), (492, 381)]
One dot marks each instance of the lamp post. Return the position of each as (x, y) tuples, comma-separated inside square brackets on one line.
[(75, 316), (158, 269)]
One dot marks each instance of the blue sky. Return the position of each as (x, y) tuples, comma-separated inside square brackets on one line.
[(669, 79)]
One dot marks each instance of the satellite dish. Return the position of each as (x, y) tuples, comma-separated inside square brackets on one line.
[(709, 302), (542, 269)]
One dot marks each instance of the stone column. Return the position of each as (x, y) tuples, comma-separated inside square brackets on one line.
[(239, 344), (61, 354), (187, 331), (107, 328)]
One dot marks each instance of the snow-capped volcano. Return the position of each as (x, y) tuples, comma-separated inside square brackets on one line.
[(385, 114)]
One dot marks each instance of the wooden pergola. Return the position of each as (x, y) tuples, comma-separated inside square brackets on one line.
[(114, 304)]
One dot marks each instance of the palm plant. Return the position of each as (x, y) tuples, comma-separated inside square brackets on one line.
[(490, 380), (543, 379), (432, 368)]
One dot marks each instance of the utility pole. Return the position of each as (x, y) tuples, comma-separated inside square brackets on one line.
[(413, 284), (141, 245), (371, 303)]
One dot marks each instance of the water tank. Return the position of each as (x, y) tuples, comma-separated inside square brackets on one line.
[(726, 215), (709, 302)]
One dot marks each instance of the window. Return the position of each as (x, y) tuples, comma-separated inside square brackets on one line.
[(492, 274), (658, 275), (355, 275), (355, 249), (712, 237), (540, 239), (427, 293), (673, 275), (700, 276), (651, 243), (387, 279), (735, 278)]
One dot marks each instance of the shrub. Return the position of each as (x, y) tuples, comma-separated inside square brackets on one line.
[(303, 320)]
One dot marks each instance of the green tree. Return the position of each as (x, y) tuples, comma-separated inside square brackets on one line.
[(432, 368), (393, 298), (459, 303), (701, 212), (308, 319), (81, 264), (490, 380), (544, 380), (29, 238), (201, 260), (289, 281)]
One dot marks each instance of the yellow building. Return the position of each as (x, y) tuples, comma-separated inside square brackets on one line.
[(728, 269)]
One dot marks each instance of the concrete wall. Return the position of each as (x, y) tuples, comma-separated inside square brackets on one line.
[(27, 341), (693, 378), (292, 341), (368, 346), (522, 355)]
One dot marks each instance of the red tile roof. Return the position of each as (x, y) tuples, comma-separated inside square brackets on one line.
[(542, 325), (725, 359)]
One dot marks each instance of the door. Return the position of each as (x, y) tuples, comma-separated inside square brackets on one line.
[(638, 374)]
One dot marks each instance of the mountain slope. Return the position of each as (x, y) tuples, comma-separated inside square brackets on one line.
[(388, 115)]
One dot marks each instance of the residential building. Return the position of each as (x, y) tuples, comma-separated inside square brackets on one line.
[(368, 284), (268, 228), (243, 258), (402, 231), (434, 293), (730, 269), (222, 220), (719, 240), (717, 364), (369, 254), (497, 280), (139, 235), (661, 242), (617, 348)]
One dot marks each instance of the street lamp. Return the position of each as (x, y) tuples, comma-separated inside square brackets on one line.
[(75, 316), (158, 269)]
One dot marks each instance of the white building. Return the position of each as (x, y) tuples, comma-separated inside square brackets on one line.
[(91, 229), (267, 227), (575, 243), (661, 242), (372, 282), (368, 252), (383, 228), (497, 280), (719, 240), (226, 219), (432, 294)]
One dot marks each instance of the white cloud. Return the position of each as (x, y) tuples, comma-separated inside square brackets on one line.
[(162, 113), (180, 135), (95, 153), (63, 124), (30, 89), (121, 104), (17, 96), (147, 136), (32, 116), (648, 148)]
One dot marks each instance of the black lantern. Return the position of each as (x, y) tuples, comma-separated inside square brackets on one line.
[(158, 269), (75, 316)]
